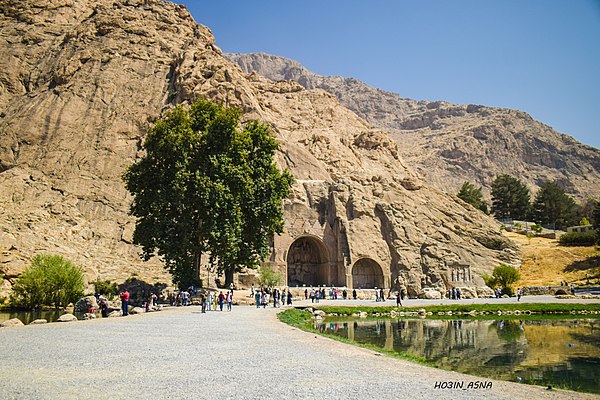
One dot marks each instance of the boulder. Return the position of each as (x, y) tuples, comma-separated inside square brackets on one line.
[(137, 310), (114, 314), (87, 316), (38, 321), (11, 323), (468, 292), (429, 293), (67, 318), (85, 304)]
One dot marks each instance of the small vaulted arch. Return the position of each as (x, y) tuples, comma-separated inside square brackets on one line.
[(367, 274)]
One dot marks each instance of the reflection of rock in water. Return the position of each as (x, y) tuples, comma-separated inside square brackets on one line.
[(543, 352), (460, 345)]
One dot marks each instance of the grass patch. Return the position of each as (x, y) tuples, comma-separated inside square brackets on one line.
[(302, 320), (538, 308)]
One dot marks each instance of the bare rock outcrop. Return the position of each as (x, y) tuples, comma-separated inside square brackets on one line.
[(448, 143), (82, 81)]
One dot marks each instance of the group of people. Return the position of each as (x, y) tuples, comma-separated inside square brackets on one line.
[(211, 301), (320, 293), (454, 293), (264, 295)]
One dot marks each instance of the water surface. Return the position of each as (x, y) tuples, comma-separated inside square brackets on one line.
[(561, 353)]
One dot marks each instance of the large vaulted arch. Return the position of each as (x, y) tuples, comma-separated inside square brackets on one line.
[(308, 263)]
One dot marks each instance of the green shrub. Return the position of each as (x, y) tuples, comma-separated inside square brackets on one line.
[(578, 239), (105, 287), (503, 276), (50, 280), (537, 228), (268, 277)]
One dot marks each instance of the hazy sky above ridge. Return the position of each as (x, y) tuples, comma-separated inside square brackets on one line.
[(538, 56)]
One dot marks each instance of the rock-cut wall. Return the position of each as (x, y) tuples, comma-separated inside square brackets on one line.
[(82, 81)]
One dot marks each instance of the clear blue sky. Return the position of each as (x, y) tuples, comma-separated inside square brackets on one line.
[(538, 56)]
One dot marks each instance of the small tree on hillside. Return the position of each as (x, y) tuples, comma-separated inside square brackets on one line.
[(596, 219), (510, 198), (472, 195), (552, 206)]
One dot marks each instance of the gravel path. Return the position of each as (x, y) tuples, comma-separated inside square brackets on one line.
[(244, 354)]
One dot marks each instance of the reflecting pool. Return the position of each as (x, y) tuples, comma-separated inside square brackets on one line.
[(27, 316), (562, 353)]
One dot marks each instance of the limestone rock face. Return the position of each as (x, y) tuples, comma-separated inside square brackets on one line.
[(82, 81), (449, 143)]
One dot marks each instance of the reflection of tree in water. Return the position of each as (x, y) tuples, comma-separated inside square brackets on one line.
[(509, 330)]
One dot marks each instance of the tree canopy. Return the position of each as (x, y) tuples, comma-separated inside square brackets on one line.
[(552, 206), (207, 184), (510, 198), (472, 195), (596, 219)]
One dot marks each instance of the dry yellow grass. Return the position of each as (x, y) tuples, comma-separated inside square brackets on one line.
[(547, 263)]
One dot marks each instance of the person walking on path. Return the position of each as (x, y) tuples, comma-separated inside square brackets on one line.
[(519, 294), (289, 298), (203, 301), (125, 302), (221, 300), (257, 298), (229, 300), (265, 299), (398, 299)]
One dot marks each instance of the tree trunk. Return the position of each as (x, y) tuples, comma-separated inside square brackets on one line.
[(228, 278)]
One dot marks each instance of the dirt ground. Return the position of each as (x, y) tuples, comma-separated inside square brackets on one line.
[(547, 263)]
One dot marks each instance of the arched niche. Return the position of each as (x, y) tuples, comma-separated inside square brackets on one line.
[(367, 274), (308, 263)]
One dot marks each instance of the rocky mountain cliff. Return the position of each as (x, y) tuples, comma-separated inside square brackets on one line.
[(81, 82), (449, 143)]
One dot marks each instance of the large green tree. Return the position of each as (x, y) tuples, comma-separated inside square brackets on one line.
[(552, 206), (207, 184), (510, 198), (472, 195)]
